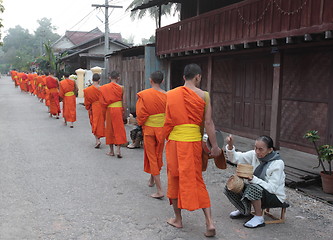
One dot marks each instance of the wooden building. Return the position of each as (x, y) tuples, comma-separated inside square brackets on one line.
[(268, 64)]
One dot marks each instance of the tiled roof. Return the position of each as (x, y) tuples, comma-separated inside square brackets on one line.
[(78, 37)]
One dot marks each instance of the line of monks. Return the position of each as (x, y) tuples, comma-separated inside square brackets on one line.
[(49, 90), (176, 116)]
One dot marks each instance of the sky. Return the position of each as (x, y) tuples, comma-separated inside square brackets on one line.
[(71, 15)]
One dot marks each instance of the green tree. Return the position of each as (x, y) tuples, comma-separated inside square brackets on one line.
[(50, 57), (21, 49), (18, 48), (170, 8), (2, 9), (145, 41), (44, 34), (129, 40)]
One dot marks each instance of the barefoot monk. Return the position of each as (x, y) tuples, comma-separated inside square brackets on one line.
[(187, 108), (113, 98), (95, 109), (68, 91), (150, 112)]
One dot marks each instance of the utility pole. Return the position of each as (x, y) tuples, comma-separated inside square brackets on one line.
[(106, 36)]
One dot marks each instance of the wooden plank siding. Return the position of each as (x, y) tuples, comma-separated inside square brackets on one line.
[(132, 74), (306, 96), (244, 22)]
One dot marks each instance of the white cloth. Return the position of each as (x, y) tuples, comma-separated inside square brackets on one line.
[(275, 176)]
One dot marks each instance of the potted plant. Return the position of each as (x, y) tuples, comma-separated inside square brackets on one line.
[(325, 154)]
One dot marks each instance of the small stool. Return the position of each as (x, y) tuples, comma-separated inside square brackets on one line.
[(280, 219)]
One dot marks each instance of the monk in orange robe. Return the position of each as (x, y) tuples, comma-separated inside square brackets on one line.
[(25, 81), (68, 91), (150, 114), (40, 88), (15, 78), (35, 76), (95, 109), (113, 98), (21, 82), (31, 83), (187, 108), (46, 93), (52, 84)]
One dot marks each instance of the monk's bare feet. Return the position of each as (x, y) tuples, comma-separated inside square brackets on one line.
[(98, 144), (174, 223), (151, 182), (210, 231), (157, 195), (110, 154)]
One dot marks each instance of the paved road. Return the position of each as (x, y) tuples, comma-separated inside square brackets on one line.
[(55, 185)]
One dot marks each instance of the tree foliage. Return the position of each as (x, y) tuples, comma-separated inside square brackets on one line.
[(169, 9), (21, 49), (2, 9)]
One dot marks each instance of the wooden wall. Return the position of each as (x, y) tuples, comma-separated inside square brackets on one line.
[(242, 93), (242, 86), (307, 95), (132, 73), (247, 21)]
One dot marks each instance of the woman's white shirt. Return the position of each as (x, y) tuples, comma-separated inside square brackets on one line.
[(275, 176)]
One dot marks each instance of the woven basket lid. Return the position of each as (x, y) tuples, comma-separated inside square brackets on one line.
[(235, 184), (244, 170)]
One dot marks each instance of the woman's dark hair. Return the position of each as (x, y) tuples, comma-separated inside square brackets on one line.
[(267, 140)]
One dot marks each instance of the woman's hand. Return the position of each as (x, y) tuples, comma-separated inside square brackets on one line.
[(230, 142)]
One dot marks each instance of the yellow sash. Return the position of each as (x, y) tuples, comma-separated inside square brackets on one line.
[(186, 133), (68, 94), (116, 104), (156, 120)]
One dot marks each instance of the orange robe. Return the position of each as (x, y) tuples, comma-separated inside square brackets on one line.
[(114, 127), (40, 87), (45, 92), (151, 102), (96, 111), (34, 85), (184, 163), (31, 83), (15, 78), (25, 81), (52, 86), (67, 87)]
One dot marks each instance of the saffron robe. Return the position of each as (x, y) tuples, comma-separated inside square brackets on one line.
[(30, 83), (151, 102), (67, 87), (96, 111), (52, 85), (15, 78), (114, 124), (184, 163), (39, 83), (45, 91)]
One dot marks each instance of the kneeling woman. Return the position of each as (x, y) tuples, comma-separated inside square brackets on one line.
[(265, 189)]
